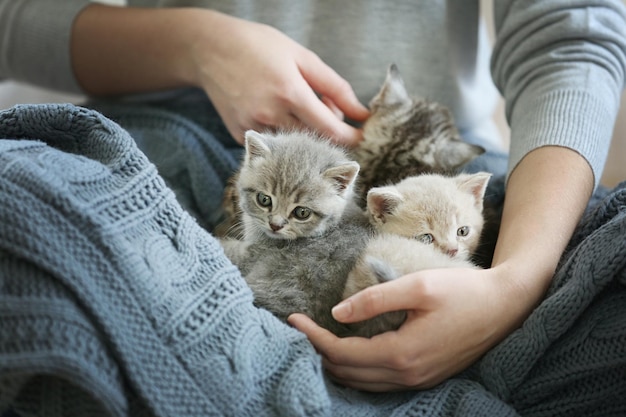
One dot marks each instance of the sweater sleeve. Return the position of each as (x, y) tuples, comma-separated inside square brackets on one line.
[(35, 42), (560, 66)]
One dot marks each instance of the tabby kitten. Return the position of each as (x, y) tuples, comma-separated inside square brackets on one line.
[(292, 184), (423, 222), (406, 136)]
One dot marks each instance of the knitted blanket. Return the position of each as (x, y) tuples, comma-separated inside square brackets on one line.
[(114, 301)]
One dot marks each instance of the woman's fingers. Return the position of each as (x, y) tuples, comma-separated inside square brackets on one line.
[(403, 293)]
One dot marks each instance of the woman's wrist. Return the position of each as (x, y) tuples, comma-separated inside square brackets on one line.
[(545, 198)]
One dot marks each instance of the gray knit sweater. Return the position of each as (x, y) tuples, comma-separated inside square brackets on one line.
[(559, 64)]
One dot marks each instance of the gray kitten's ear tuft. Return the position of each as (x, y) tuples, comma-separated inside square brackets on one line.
[(475, 184), (343, 175), (381, 202), (256, 145), (392, 92)]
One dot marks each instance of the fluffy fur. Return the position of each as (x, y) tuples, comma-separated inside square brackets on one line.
[(306, 275)]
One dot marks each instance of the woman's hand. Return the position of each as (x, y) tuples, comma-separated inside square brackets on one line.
[(256, 77), (453, 317), (259, 78)]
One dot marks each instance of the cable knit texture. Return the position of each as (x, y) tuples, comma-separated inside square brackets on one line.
[(109, 284), (115, 302)]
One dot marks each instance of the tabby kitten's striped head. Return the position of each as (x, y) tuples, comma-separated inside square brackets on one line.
[(406, 136)]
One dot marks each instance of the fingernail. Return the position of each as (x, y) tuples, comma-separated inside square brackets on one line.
[(342, 310)]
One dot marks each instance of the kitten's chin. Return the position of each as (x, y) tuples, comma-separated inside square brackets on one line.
[(461, 255)]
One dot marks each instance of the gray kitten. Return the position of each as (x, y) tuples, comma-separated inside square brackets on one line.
[(406, 136), (301, 228), (423, 222)]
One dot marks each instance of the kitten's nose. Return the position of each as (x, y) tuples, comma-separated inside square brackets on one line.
[(276, 227), (452, 252)]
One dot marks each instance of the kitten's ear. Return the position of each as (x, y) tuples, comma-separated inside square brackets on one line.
[(475, 184), (343, 175), (455, 153), (392, 91), (256, 145), (381, 202)]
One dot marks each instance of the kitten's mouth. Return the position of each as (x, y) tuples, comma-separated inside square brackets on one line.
[(275, 234)]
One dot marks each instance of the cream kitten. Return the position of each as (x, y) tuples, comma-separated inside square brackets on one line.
[(445, 212)]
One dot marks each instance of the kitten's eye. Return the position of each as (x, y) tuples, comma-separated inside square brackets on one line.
[(462, 231), (264, 200), (426, 238), (302, 213)]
